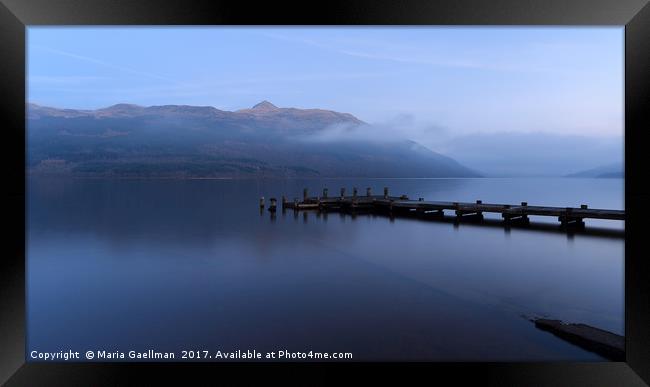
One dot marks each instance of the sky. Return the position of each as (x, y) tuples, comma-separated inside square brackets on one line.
[(448, 79)]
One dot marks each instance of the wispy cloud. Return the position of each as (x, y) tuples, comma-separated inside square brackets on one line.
[(241, 86), (385, 51), (167, 93), (64, 79), (108, 64), (415, 60), (178, 88), (302, 78)]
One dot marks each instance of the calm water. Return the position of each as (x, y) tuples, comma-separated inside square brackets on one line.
[(172, 265)]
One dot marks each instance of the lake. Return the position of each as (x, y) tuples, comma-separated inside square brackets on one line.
[(174, 265)]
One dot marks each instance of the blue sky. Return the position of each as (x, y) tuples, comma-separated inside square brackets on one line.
[(451, 80)]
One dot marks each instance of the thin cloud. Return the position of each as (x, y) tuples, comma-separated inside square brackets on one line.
[(63, 79), (109, 65), (303, 78), (408, 57), (185, 89)]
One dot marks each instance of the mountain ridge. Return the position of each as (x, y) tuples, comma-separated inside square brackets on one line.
[(614, 170), (202, 141), (262, 108)]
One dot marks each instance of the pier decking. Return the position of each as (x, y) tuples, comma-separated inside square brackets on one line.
[(402, 205)]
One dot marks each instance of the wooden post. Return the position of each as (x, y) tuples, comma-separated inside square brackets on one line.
[(385, 192), (354, 192), (325, 193), (304, 195), (342, 193), (284, 200), (262, 202), (273, 205), (368, 192)]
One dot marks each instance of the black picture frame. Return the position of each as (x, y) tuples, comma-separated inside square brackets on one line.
[(16, 15)]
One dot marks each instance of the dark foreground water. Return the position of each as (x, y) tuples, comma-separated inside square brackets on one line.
[(169, 265)]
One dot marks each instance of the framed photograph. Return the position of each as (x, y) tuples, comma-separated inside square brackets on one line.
[(200, 190)]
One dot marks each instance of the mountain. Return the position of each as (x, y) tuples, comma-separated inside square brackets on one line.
[(604, 171), (202, 141)]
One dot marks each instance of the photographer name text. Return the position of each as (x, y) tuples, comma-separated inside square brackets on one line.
[(202, 355)]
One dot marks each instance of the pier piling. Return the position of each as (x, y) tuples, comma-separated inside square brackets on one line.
[(421, 208)]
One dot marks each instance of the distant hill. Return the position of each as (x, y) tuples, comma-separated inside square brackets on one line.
[(605, 171), (202, 141)]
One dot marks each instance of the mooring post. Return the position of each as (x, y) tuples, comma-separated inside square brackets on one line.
[(284, 200), (568, 219), (304, 195), (325, 193), (262, 202), (368, 192), (385, 192), (342, 193), (295, 204), (354, 192), (273, 205), (564, 219)]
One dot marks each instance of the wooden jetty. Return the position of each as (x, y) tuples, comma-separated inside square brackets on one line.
[(604, 343), (403, 206)]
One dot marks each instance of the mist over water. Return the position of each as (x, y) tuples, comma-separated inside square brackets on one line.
[(492, 154), (178, 264)]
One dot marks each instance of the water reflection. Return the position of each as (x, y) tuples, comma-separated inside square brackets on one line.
[(177, 263), (570, 232)]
